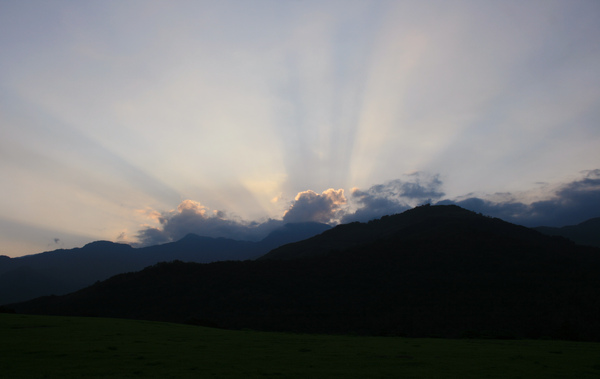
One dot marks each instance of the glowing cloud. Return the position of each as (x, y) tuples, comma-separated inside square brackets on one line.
[(193, 217), (108, 107), (310, 206)]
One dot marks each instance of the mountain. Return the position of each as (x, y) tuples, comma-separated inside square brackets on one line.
[(438, 271), (292, 232), (440, 222), (66, 270), (585, 233)]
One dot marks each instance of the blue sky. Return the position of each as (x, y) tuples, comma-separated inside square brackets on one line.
[(137, 121)]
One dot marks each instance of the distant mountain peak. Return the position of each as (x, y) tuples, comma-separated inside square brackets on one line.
[(102, 243), (191, 237)]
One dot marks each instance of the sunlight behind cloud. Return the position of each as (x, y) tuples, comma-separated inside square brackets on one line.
[(111, 107), (265, 191)]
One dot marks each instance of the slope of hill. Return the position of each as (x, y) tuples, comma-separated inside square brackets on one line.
[(62, 271), (431, 271), (290, 233), (585, 233)]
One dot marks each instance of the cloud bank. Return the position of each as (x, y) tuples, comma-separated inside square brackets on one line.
[(193, 217), (568, 204), (394, 196), (571, 203)]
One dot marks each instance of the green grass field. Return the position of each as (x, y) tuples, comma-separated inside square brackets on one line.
[(70, 347)]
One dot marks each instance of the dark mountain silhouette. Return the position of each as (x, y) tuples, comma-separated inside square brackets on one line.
[(25, 282), (585, 233), (425, 222), (292, 232), (431, 271), (66, 270)]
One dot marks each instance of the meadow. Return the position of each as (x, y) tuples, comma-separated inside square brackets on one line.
[(74, 347)]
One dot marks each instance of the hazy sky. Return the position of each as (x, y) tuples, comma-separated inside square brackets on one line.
[(138, 121)]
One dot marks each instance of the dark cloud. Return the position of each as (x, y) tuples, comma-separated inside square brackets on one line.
[(152, 236), (310, 206), (419, 186), (57, 243), (570, 204), (394, 196)]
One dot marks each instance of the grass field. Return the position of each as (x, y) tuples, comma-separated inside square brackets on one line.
[(69, 347)]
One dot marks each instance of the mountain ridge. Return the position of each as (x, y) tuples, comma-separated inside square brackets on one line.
[(348, 235), (65, 270), (584, 233), (436, 272)]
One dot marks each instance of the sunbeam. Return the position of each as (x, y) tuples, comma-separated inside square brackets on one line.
[(109, 108)]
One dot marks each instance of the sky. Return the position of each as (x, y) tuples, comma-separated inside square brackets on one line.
[(141, 121)]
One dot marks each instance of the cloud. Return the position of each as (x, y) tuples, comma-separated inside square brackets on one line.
[(152, 236), (310, 206), (193, 217), (56, 242), (394, 196), (122, 237), (569, 204)]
